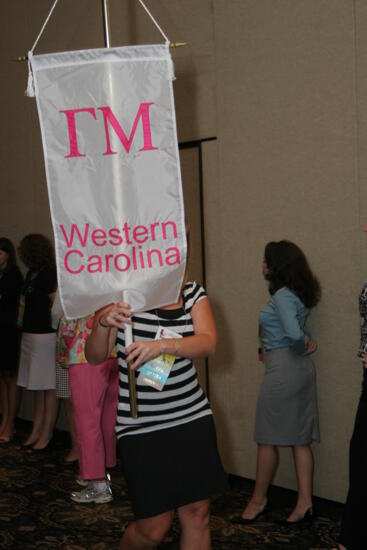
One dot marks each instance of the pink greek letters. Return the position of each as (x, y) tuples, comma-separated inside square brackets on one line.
[(109, 121)]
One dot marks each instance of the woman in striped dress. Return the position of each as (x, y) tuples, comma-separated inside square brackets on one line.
[(169, 453)]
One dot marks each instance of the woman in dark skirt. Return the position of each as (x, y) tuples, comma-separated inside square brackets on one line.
[(169, 453), (11, 282)]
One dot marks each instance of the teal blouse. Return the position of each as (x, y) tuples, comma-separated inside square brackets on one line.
[(283, 322)]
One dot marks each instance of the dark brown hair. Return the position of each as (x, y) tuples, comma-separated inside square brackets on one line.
[(289, 267), (7, 246), (36, 251), (188, 255)]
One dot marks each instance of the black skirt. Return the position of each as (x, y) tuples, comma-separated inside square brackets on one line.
[(10, 348), (172, 467), (353, 533)]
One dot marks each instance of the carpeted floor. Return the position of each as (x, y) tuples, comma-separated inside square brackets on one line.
[(37, 513)]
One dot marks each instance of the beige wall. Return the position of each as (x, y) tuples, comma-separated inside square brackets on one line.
[(282, 84), (288, 154)]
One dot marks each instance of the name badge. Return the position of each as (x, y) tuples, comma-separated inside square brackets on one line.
[(156, 372), (21, 307)]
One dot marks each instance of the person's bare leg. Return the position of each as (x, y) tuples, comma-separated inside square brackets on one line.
[(267, 464), (4, 406), (38, 410), (73, 453), (194, 519), (51, 407), (303, 461), (146, 534), (13, 394)]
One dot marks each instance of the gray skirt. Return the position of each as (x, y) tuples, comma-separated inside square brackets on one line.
[(286, 412)]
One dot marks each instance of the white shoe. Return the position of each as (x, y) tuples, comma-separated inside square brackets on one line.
[(82, 482), (91, 494)]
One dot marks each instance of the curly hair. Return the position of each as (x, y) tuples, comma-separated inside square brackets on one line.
[(36, 251), (7, 246), (287, 266)]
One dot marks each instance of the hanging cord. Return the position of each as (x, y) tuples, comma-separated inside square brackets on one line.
[(154, 21), (44, 25), (30, 92), (171, 69), (30, 85)]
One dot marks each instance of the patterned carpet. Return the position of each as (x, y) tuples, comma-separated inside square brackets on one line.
[(37, 513)]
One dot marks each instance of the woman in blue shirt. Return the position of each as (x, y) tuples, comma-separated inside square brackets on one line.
[(286, 413)]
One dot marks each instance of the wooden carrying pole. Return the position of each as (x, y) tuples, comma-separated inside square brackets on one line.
[(131, 375)]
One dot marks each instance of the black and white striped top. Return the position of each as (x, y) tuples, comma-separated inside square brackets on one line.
[(181, 399)]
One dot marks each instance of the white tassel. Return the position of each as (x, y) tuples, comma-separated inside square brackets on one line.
[(30, 92)]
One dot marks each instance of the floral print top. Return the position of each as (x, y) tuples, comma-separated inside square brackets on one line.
[(71, 337)]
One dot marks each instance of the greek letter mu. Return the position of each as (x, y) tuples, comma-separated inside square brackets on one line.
[(109, 121)]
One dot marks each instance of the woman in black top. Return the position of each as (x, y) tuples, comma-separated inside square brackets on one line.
[(11, 282), (37, 367)]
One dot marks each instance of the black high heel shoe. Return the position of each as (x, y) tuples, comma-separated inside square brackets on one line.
[(308, 517), (44, 449), (239, 520), (27, 446)]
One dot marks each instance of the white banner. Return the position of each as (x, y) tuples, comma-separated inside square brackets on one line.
[(113, 174)]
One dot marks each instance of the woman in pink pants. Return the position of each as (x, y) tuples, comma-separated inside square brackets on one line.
[(94, 391)]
